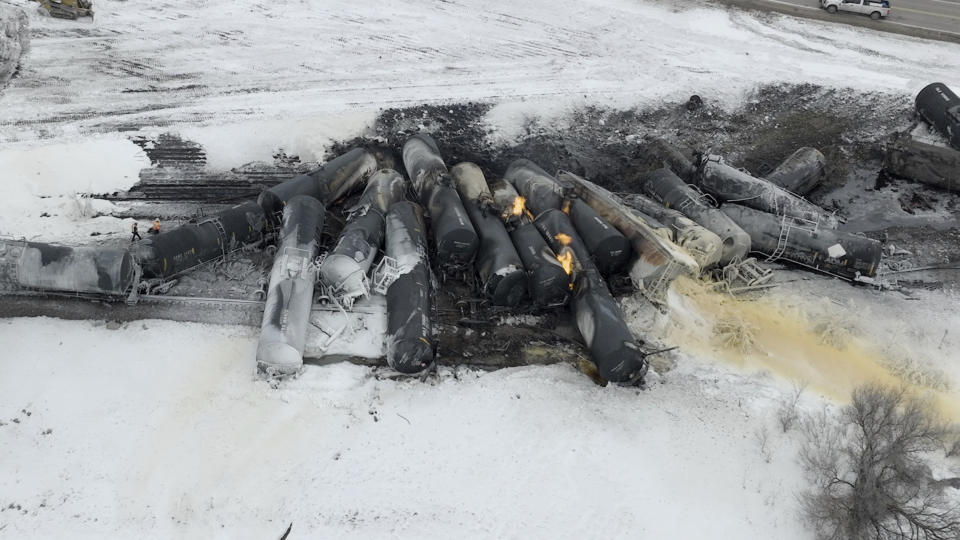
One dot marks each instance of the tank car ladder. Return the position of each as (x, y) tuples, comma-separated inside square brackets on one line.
[(385, 274), (787, 224), (222, 233)]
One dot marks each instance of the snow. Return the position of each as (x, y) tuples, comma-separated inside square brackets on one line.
[(159, 429), (45, 178)]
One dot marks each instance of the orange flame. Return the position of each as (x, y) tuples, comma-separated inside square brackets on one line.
[(566, 260), (564, 239), (566, 207), (518, 206)]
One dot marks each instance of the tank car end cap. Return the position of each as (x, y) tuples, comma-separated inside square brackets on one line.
[(457, 246), (508, 289), (409, 355), (275, 359), (623, 364)]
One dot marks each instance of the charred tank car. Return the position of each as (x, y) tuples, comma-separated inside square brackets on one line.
[(190, 245), (548, 283), (940, 107), (800, 172), (670, 190), (499, 266), (344, 269), (541, 191), (100, 271), (283, 332), (609, 247), (841, 254), (409, 330), (612, 346), (327, 184), (454, 238), (729, 184)]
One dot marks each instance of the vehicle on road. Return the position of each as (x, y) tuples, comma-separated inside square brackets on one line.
[(876, 9)]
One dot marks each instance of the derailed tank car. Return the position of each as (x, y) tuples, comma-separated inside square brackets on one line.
[(99, 271), (548, 283), (190, 245), (612, 346), (940, 107), (499, 266), (454, 238), (729, 184), (609, 248), (667, 188), (327, 184), (283, 332), (800, 172), (345, 268), (837, 253), (540, 190), (409, 329)]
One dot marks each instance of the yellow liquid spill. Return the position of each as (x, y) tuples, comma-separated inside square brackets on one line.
[(782, 342)]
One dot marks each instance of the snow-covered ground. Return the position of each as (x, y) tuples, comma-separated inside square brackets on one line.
[(159, 429)]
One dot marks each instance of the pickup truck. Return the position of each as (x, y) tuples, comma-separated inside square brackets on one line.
[(876, 9)]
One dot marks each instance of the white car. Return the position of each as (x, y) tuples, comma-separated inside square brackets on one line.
[(876, 9)]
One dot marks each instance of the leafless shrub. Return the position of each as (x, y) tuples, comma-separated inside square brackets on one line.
[(763, 439), (870, 478), (787, 413), (735, 334)]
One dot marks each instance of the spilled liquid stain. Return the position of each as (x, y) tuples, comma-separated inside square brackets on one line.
[(760, 334)]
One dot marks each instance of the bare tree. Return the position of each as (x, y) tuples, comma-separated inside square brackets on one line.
[(871, 480), (788, 413)]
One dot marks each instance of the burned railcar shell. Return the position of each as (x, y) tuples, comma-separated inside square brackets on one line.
[(670, 190), (541, 191), (454, 238), (192, 244), (498, 264), (940, 107), (345, 268), (547, 282), (286, 314), (701, 243), (505, 201), (102, 271), (610, 249), (729, 184), (409, 339), (330, 182), (613, 349), (833, 252), (800, 172)]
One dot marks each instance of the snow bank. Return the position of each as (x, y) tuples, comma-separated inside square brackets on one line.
[(233, 144), (45, 178), (159, 430), (14, 39)]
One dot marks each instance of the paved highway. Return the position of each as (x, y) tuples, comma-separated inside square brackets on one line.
[(924, 18)]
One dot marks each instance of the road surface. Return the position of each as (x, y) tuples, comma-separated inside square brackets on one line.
[(935, 19)]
